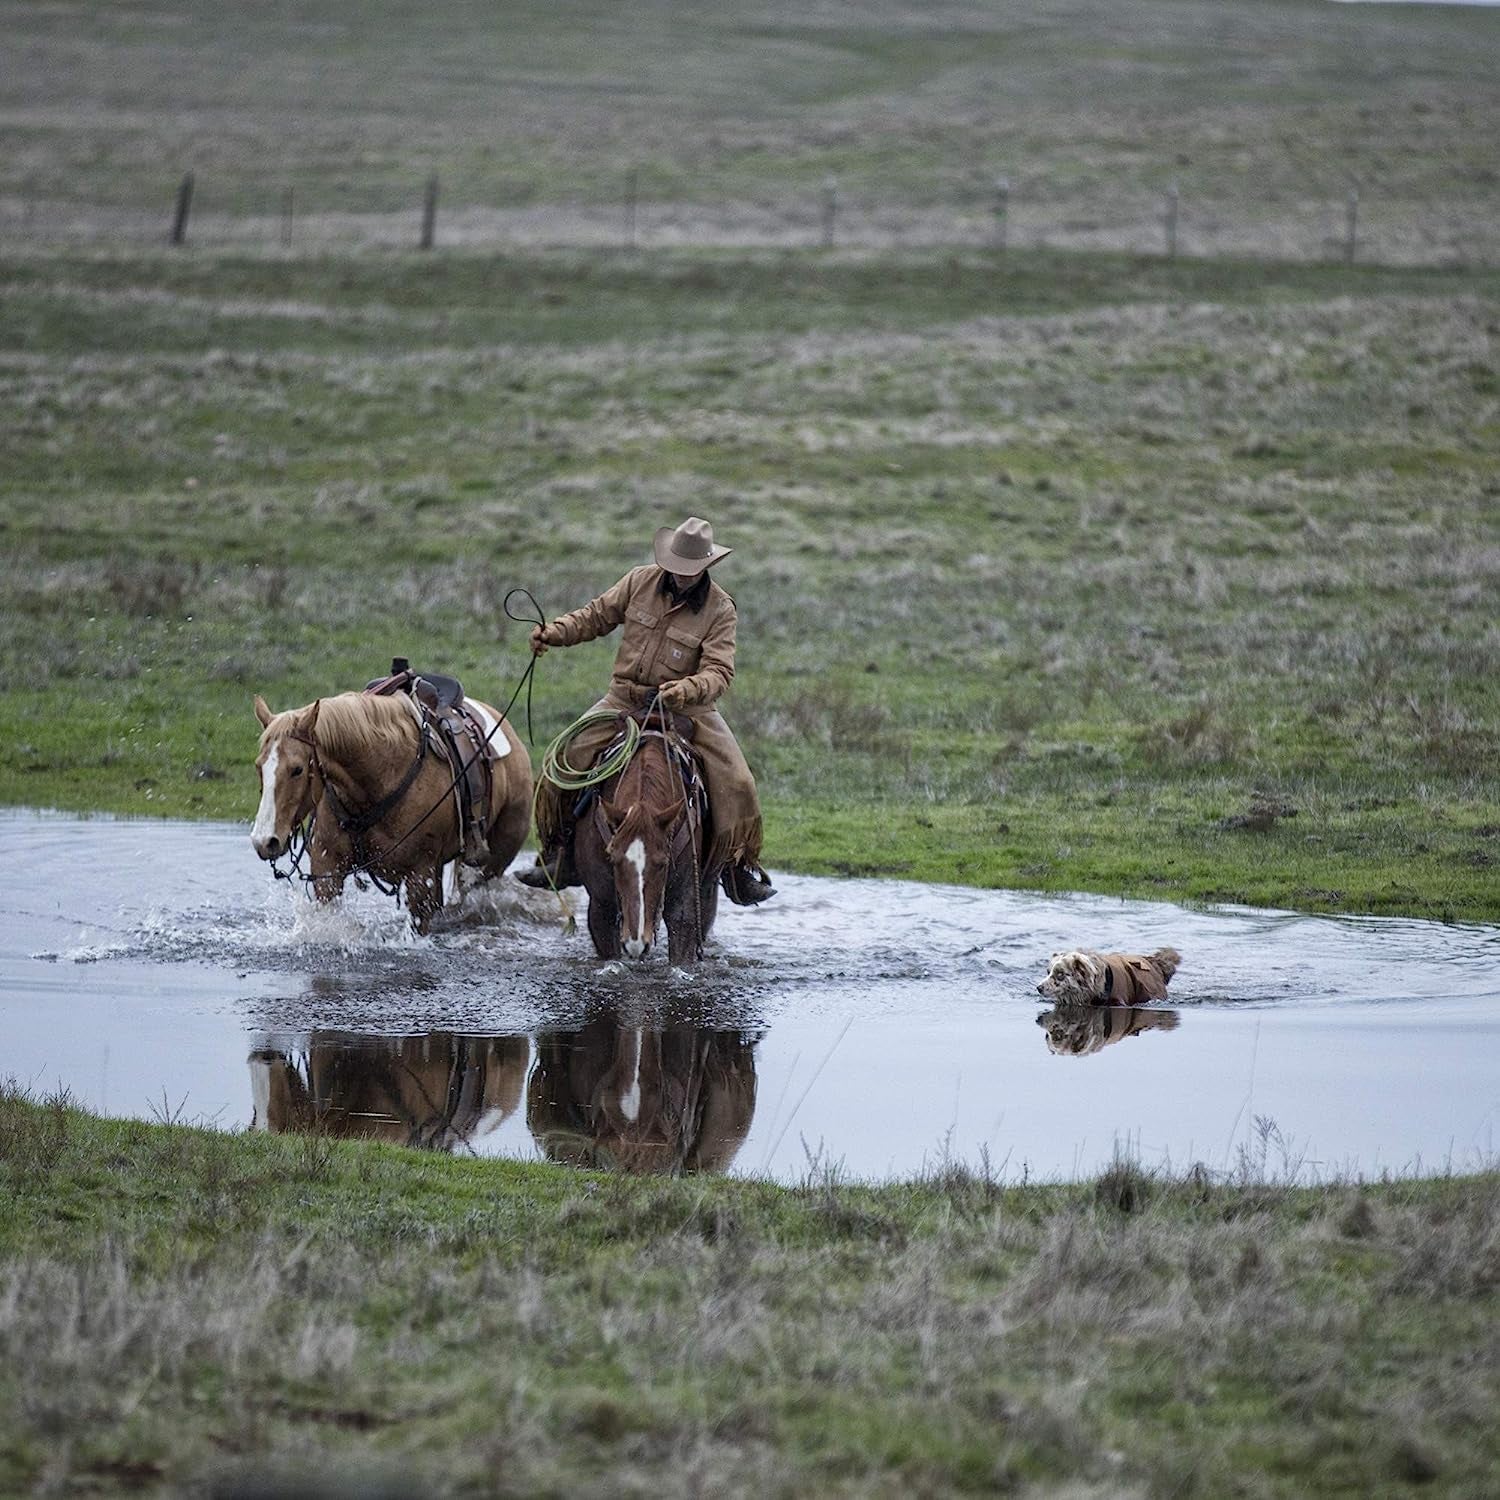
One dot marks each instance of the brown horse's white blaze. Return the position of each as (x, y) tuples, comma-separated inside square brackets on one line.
[(286, 769), (640, 851)]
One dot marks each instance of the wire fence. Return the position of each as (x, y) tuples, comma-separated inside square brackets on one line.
[(433, 215)]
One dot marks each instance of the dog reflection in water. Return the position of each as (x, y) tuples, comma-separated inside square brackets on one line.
[(642, 1099), (438, 1091), (1076, 1030)]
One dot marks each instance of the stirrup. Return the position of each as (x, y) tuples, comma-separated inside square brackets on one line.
[(746, 884)]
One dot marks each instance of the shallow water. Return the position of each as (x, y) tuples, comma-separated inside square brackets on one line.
[(156, 969)]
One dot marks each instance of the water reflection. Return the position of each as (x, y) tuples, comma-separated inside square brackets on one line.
[(1078, 1030), (643, 1099), (613, 1093), (437, 1091)]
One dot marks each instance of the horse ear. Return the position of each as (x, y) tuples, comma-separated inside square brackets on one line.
[(668, 816), (311, 721), (262, 713)]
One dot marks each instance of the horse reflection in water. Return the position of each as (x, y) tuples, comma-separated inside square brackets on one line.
[(669, 1099), (1078, 1030), (438, 1091)]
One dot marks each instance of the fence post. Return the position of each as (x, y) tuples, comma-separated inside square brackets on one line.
[(1351, 227), (1002, 212), (830, 208), (632, 204), (184, 205), (1170, 221), (288, 204), (429, 212)]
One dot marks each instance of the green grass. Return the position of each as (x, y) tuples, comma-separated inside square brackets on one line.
[(177, 1305), (1049, 567)]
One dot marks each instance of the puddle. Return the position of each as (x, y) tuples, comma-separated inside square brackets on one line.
[(155, 969)]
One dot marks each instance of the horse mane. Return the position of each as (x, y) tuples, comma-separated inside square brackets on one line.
[(358, 727), (653, 784)]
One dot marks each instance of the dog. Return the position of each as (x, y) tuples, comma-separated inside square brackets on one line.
[(1109, 978)]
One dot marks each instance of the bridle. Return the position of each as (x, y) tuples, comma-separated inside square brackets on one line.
[(356, 825)]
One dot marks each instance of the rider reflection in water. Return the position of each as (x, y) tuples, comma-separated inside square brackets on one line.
[(666, 1100), (677, 648)]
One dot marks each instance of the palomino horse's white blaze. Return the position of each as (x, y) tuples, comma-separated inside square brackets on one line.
[(265, 816), (636, 855), (630, 1100)]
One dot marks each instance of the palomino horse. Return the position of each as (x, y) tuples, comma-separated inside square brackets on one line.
[(376, 787), (438, 1091), (639, 854), (642, 1099)]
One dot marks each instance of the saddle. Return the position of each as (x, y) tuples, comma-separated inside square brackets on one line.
[(462, 737)]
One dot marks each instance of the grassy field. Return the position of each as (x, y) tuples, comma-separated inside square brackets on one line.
[(1054, 571), (1265, 112), (186, 1312)]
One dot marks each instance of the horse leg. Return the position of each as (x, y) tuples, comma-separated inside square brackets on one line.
[(680, 912), (424, 896), (326, 867), (708, 902), (604, 923)]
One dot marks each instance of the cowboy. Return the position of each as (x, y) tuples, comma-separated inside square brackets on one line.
[(676, 652)]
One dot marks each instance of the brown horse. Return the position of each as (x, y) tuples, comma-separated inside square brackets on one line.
[(376, 788), (639, 853)]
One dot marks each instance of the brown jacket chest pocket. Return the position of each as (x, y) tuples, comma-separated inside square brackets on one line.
[(680, 654)]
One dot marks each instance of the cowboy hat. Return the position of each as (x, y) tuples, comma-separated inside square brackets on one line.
[(688, 550)]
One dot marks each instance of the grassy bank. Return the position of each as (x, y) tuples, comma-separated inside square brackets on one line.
[(1069, 572), (180, 1307)]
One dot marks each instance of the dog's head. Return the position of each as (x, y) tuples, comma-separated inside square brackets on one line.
[(1074, 976)]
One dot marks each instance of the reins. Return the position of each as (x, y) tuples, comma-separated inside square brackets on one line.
[(357, 825)]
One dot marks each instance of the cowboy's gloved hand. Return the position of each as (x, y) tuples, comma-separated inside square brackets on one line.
[(673, 695), (541, 639)]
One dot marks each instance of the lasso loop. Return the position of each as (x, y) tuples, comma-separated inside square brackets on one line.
[(537, 618), (565, 776)]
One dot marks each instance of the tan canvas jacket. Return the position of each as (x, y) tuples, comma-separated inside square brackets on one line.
[(662, 642)]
